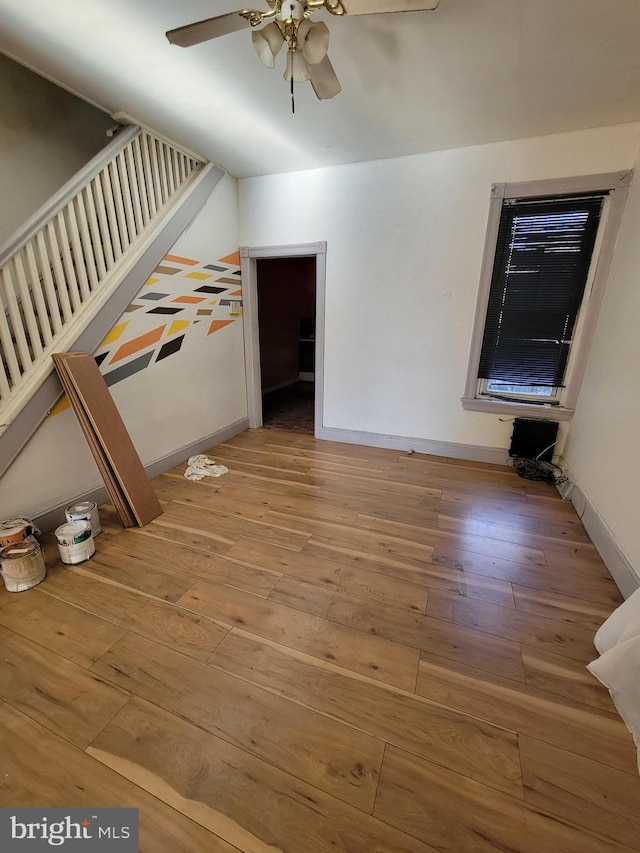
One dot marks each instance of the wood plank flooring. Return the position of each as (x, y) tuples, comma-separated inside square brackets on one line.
[(331, 648)]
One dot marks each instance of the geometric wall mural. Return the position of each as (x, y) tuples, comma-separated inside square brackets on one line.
[(183, 296)]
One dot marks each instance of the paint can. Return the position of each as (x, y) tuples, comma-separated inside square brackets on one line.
[(75, 542), (22, 565), (14, 531), (85, 511)]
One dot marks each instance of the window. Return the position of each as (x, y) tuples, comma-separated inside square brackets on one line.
[(547, 252), (542, 260)]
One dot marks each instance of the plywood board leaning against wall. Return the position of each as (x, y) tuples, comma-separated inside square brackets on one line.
[(122, 471)]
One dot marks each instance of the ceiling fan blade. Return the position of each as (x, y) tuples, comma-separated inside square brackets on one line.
[(211, 28), (373, 7), (324, 80)]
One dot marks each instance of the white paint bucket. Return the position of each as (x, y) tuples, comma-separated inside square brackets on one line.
[(22, 565), (75, 542), (14, 531), (85, 511)]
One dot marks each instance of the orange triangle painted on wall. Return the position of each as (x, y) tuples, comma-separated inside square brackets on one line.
[(177, 259), (218, 324), (233, 258)]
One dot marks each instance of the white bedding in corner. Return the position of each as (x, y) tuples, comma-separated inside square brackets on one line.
[(618, 667)]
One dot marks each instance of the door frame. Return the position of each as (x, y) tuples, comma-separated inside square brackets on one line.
[(248, 269)]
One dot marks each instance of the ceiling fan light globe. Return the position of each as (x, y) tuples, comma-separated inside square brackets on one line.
[(297, 68), (313, 38), (267, 43)]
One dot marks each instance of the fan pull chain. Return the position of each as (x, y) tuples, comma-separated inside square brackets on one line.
[(293, 98)]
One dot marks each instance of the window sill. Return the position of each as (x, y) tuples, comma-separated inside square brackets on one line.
[(518, 410)]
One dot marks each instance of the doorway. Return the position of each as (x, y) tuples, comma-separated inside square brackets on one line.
[(286, 329), (283, 300)]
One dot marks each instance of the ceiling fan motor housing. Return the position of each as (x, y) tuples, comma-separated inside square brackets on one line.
[(292, 10)]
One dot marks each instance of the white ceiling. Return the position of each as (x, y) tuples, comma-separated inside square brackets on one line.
[(471, 72)]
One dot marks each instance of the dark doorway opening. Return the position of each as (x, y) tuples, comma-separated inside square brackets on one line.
[(286, 320)]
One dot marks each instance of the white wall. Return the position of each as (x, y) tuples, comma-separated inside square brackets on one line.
[(46, 136), (166, 407), (404, 248), (602, 447)]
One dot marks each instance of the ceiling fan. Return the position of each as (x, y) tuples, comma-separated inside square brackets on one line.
[(307, 41)]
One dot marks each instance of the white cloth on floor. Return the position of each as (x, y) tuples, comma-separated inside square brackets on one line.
[(623, 624), (200, 466), (618, 667)]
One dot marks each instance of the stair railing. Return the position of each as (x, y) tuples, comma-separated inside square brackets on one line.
[(52, 272)]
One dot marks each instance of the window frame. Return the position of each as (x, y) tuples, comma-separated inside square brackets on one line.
[(484, 392), (617, 185)]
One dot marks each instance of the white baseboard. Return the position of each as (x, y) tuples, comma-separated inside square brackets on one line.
[(626, 577), (50, 519), (472, 452)]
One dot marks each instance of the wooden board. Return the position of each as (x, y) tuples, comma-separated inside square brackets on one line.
[(110, 480), (253, 805), (31, 751), (60, 694), (559, 721), (392, 663), (158, 620), (601, 799), (113, 438), (334, 757), (191, 562), (78, 635), (413, 630), (116, 444), (111, 483), (455, 740), (458, 815), (331, 575), (550, 635)]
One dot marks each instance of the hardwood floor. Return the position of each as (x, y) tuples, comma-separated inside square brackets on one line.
[(331, 648)]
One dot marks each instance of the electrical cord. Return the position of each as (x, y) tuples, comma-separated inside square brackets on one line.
[(536, 469)]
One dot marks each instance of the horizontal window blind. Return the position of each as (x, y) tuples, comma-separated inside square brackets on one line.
[(543, 253)]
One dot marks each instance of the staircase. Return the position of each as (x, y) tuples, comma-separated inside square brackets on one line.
[(70, 272)]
